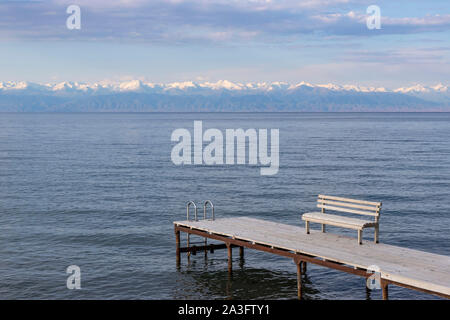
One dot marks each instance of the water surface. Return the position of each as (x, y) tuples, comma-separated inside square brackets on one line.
[(100, 191)]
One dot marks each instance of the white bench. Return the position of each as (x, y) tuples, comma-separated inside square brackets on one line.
[(362, 207)]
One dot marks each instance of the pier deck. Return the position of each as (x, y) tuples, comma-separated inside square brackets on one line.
[(423, 271)]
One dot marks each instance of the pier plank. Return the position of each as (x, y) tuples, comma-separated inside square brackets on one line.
[(424, 270)]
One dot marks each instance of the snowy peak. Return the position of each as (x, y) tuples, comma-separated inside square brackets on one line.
[(23, 85), (415, 88), (182, 85), (418, 88), (222, 84), (440, 88), (301, 84), (66, 86), (139, 86), (133, 85), (223, 95), (330, 86)]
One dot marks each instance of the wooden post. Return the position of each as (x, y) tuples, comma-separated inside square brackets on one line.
[(188, 245), (299, 279), (323, 228), (307, 227), (377, 225), (230, 258), (384, 288), (241, 253), (304, 267), (368, 292), (177, 241), (360, 236)]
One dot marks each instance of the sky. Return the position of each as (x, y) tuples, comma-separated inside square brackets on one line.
[(317, 41)]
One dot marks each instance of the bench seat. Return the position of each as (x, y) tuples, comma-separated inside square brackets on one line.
[(338, 221), (349, 206)]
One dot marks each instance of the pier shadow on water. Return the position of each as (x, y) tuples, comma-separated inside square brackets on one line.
[(200, 276)]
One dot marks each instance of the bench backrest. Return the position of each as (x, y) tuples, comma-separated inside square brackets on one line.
[(368, 208)]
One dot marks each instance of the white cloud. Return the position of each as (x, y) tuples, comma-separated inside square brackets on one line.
[(234, 21)]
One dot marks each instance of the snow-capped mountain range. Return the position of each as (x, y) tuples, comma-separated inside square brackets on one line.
[(142, 86), (223, 95)]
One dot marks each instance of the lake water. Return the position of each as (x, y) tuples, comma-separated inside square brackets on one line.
[(100, 191)]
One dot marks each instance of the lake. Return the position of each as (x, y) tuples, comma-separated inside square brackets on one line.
[(99, 190)]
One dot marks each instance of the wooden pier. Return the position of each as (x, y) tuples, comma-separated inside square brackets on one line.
[(413, 269)]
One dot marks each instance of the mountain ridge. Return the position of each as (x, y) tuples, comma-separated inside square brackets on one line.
[(136, 85), (223, 95)]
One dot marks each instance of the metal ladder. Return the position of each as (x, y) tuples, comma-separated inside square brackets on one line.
[(188, 205)]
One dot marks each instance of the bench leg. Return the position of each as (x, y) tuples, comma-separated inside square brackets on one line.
[(307, 227), (360, 236), (323, 228), (377, 231)]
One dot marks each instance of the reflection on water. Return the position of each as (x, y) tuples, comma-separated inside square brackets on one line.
[(201, 276)]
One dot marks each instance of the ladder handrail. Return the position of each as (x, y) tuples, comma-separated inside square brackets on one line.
[(204, 209), (188, 205)]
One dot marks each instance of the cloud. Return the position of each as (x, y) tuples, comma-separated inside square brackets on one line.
[(353, 23), (202, 21), (403, 56)]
